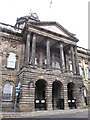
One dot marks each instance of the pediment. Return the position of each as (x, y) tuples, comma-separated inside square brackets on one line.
[(54, 29)]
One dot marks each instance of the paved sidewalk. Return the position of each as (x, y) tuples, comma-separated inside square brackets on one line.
[(40, 113)]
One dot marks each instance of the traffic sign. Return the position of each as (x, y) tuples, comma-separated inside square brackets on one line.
[(17, 89)]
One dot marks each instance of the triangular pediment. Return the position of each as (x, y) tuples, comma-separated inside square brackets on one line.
[(54, 29)]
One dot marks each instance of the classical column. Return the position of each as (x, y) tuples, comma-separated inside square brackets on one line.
[(48, 54), (77, 62), (27, 49), (67, 61), (41, 57), (22, 57), (73, 60), (62, 62), (33, 50)]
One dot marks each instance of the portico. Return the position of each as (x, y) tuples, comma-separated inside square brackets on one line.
[(47, 58), (46, 47)]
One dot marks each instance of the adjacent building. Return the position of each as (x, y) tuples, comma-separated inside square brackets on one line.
[(44, 61)]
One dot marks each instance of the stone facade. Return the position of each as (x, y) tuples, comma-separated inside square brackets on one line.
[(44, 62)]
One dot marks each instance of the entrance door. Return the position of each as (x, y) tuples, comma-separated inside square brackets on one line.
[(40, 101), (71, 95), (57, 95)]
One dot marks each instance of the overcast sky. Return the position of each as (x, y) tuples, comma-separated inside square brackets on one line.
[(71, 14)]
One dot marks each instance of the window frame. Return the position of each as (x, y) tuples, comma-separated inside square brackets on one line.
[(8, 94), (13, 62)]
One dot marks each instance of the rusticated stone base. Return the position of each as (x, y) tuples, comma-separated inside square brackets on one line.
[(27, 96)]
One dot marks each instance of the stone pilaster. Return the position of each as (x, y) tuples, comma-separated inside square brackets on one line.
[(77, 62), (79, 100), (49, 96), (48, 54), (27, 96), (33, 50), (65, 97), (62, 57), (27, 49), (73, 59), (32, 98)]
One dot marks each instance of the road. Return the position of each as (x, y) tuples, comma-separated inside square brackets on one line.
[(67, 115), (53, 115)]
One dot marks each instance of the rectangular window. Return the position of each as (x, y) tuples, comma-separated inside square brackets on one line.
[(70, 66), (57, 65)]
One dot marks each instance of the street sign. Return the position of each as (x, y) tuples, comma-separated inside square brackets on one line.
[(17, 89)]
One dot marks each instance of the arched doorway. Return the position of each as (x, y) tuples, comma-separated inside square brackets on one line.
[(71, 95), (40, 101), (57, 95)]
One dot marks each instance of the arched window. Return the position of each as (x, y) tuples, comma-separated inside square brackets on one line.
[(80, 69), (7, 92), (11, 60)]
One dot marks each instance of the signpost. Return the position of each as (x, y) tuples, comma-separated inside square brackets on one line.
[(17, 91)]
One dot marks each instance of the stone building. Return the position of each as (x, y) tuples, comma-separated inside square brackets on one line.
[(42, 59), (84, 67)]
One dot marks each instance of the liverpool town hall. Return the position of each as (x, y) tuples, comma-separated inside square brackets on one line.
[(41, 67)]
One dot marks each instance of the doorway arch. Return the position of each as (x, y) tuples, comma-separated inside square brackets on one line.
[(57, 95), (71, 92), (40, 94)]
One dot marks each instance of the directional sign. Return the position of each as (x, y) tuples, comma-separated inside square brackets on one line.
[(17, 89)]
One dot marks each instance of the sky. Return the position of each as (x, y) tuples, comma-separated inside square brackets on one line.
[(71, 14)]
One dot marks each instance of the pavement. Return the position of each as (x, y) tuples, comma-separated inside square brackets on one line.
[(40, 113)]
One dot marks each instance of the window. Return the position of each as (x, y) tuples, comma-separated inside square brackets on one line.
[(7, 92), (45, 61), (35, 61), (88, 72), (11, 60), (81, 70), (70, 66), (57, 65)]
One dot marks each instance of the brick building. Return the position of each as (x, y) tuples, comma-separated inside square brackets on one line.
[(42, 58)]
